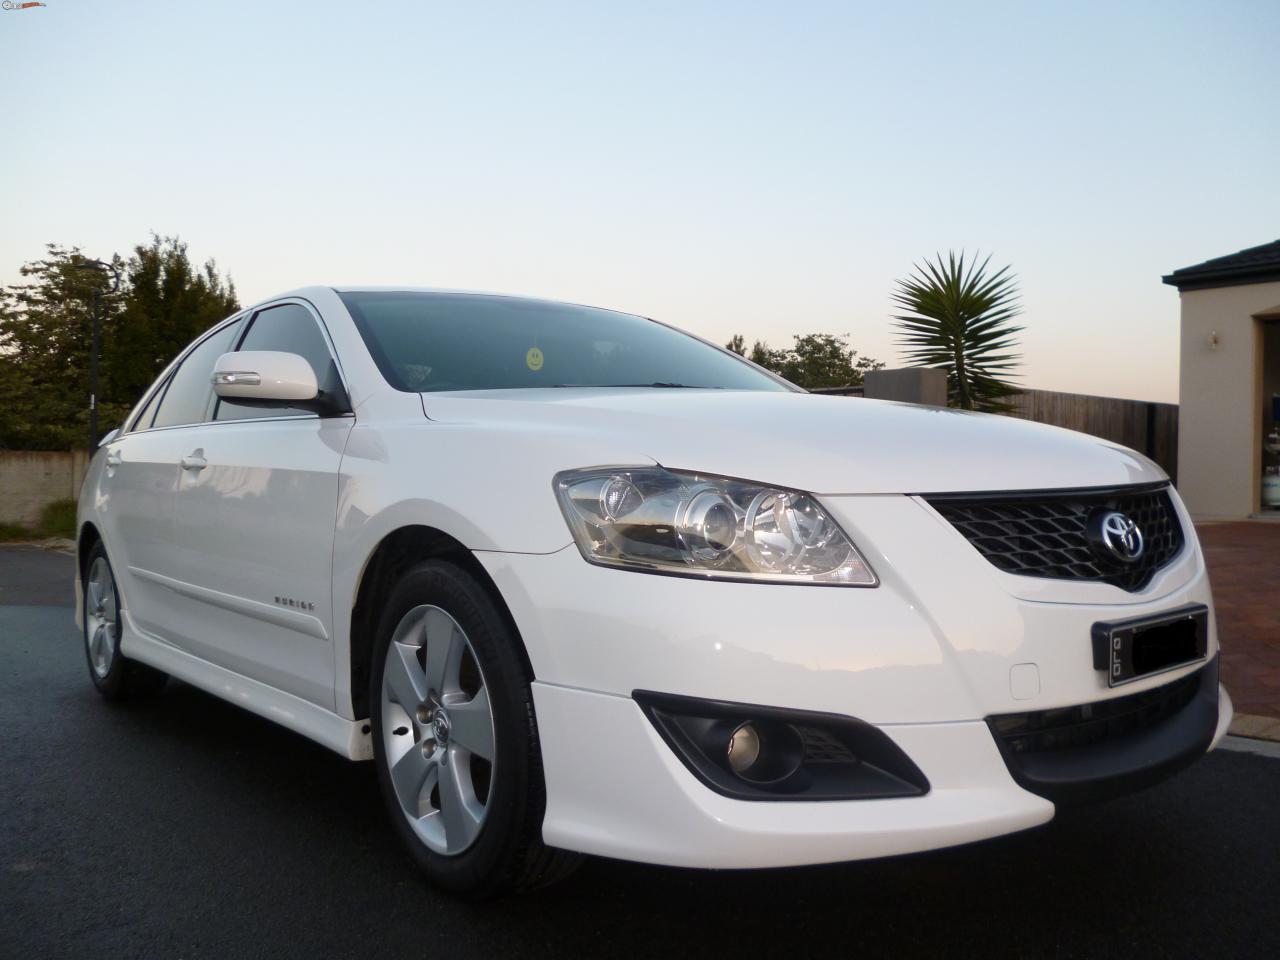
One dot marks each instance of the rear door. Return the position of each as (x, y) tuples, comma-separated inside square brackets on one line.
[(254, 523), (138, 484)]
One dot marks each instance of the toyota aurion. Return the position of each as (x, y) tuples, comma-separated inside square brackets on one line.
[(578, 582)]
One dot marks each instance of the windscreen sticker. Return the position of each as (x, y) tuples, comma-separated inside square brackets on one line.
[(533, 359)]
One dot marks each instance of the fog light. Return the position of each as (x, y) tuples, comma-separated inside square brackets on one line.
[(762, 751), (744, 748)]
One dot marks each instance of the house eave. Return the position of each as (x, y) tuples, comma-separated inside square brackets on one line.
[(1226, 277)]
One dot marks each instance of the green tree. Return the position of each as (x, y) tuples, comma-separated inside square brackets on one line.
[(958, 318), (761, 354), (814, 361), (45, 333), (167, 304)]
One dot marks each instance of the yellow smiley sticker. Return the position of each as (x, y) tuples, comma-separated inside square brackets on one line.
[(533, 359)]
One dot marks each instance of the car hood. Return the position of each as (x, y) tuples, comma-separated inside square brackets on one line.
[(822, 444)]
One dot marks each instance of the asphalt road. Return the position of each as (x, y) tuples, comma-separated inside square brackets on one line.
[(183, 827)]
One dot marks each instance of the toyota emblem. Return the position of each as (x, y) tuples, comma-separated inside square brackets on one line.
[(1120, 536)]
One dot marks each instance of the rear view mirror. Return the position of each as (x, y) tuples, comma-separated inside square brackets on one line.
[(265, 378)]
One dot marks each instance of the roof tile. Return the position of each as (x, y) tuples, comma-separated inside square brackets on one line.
[(1253, 265)]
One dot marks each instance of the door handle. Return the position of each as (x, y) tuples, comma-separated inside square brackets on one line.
[(113, 459), (195, 461)]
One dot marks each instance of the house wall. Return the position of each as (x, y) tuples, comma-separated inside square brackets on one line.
[(1220, 413)]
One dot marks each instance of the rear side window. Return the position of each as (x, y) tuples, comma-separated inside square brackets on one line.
[(289, 328), (143, 420), (186, 399)]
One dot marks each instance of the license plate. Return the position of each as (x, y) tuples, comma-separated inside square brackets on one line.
[(1130, 649)]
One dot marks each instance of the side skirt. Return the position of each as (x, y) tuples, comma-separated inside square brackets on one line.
[(346, 737)]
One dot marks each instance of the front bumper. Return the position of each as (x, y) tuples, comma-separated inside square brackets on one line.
[(615, 789), (1101, 750), (942, 645)]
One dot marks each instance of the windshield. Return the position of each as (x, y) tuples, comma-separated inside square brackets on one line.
[(425, 342)]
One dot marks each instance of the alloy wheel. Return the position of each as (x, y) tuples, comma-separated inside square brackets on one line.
[(101, 611), (437, 729)]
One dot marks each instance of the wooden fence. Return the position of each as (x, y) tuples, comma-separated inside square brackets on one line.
[(1150, 428)]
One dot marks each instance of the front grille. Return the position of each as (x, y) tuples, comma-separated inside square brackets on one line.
[(1046, 534), (1092, 723)]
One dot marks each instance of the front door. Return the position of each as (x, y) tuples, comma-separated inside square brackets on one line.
[(254, 524)]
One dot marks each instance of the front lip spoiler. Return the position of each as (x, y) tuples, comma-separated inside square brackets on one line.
[(1123, 763)]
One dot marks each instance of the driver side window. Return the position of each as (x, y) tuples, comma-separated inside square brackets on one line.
[(290, 328), (186, 398)]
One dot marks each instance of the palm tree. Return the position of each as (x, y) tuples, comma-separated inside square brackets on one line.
[(958, 318)]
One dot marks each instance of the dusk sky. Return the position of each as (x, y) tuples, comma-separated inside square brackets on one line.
[(764, 169)]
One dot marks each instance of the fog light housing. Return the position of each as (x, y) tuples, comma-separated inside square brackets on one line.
[(767, 753)]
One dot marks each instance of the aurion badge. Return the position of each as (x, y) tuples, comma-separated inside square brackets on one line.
[(1119, 535)]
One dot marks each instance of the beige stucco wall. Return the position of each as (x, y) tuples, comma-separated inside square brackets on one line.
[(1220, 404)]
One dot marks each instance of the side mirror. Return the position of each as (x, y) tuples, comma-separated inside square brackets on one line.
[(265, 378)]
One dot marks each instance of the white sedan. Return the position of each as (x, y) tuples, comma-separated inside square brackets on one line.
[(578, 582)]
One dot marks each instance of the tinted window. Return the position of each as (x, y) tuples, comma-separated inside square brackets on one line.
[(289, 328), (187, 397), (441, 341)]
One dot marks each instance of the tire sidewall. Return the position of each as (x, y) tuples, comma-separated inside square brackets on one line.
[(483, 866), (112, 684)]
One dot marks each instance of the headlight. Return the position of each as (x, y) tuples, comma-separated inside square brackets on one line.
[(661, 521)]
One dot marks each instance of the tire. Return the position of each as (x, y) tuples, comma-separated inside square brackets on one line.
[(444, 658), (115, 675)]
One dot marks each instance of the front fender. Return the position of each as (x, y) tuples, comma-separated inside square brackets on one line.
[(489, 488)]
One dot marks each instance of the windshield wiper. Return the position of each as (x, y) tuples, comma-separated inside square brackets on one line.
[(660, 383)]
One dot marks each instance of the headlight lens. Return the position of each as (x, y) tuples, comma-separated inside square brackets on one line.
[(648, 518)]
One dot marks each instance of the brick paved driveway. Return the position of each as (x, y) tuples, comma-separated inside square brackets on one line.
[(1244, 569)]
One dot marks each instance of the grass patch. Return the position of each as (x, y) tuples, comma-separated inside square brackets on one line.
[(57, 519)]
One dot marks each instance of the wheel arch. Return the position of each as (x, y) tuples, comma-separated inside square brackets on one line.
[(395, 553), (87, 537)]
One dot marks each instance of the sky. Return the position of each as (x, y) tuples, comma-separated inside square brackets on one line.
[(767, 169)]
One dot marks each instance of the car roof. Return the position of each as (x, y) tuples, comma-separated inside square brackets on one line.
[(340, 289)]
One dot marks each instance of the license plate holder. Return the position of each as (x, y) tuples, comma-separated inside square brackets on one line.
[(1129, 650)]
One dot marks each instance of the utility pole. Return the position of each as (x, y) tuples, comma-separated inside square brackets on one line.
[(95, 348)]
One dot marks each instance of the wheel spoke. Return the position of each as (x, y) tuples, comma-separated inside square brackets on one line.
[(445, 646), (94, 591), (98, 643), (461, 821), (423, 678), (403, 679), (471, 725), (410, 775)]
